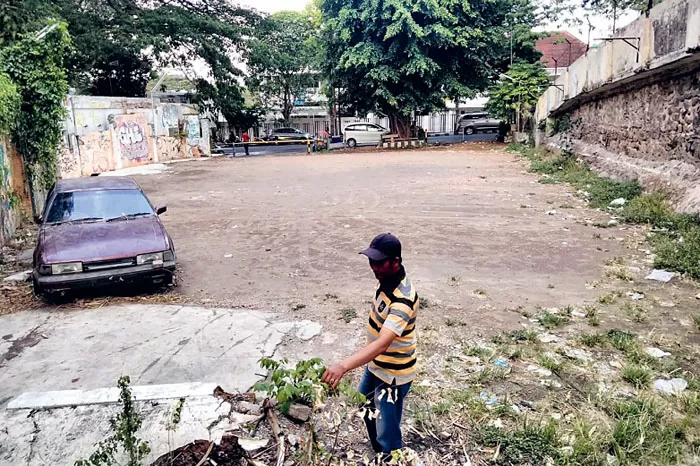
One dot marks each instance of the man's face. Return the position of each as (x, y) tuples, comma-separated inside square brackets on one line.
[(384, 269)]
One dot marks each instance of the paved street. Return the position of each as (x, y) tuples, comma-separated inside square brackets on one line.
[(301, 148)]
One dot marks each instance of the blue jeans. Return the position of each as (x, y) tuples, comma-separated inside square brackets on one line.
[(385, 430)]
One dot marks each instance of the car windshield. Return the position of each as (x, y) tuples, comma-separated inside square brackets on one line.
[(86, 206)]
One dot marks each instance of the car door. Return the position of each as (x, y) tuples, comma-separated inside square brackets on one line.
[(374, 134)]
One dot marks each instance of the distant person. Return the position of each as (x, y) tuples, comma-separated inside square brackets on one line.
[(246, 139), (390, 353)]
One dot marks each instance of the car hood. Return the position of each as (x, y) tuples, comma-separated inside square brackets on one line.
[(86, 242)]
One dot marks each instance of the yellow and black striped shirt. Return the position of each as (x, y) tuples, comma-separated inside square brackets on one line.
[(395, 306)]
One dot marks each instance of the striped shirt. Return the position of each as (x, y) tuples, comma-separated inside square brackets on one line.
[(395, 306)]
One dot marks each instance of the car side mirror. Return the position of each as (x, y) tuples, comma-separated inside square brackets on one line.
[(38, 219), (161, 210)]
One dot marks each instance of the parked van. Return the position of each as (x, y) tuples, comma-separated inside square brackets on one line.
[(363, 133)]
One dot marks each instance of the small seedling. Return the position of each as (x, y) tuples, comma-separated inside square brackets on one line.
[(347, 314), (549, 320), (593, 321), (636, 311), (549, 363), (591, 311), (621, 339), (637, 376), (620, 273), (609, 298)]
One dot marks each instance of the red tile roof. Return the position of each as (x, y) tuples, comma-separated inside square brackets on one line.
[(560, 46)]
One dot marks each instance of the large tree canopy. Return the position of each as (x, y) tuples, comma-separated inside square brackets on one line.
[(400, 57), (282, 59)]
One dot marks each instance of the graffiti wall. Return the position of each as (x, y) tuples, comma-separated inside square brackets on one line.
[(104, 133), (9, 213), (133, 138)]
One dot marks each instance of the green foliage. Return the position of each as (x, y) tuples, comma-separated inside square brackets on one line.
[(300, 384), (402, 57), (125, 425), (679, 252), (638, 376), (9, 104), (622, 339), (282, 59), (37, 69), (549, 320), (519, 93), (531, 444), (593, 339)]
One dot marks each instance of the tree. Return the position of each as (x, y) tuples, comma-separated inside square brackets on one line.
[(518, 91), (118, 43), (282, 60), (613, 9), (403, 57)]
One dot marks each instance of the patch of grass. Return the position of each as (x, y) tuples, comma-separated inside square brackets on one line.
[(479, 352), (617, 260), (441, 408), (347, 314), (480, 292), (689, 403), (636, 312), (621, 273), (550, 321), (608, 298), (641, 435), (549, 363), (588, 447), (593, 339), (490, 374), (637, 376), (591, 311), (593, 321), (696, 320), (679, 252), (651, 209), (529, 444), (622, 339)]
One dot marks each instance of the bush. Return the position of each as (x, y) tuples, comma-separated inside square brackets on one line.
[(681, 253)]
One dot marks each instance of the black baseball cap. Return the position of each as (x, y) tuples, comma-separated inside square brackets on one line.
[(382, 247)]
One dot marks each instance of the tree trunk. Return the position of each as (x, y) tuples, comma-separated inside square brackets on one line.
[(401, 125)]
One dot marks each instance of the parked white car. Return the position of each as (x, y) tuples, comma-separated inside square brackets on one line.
[(363, 133)]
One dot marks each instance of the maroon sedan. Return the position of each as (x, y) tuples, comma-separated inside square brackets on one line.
[(100, 231)]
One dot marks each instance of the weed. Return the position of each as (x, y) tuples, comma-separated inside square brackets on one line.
[(479, 352), (617, 260), (621, 339), (491, 374), (298, 307), (567, 310), (549, 363), (522, 335), (328, 296), (609, 298), (621, 273), (347, 314), (593, 321), (480, 292), (651, 209), (454, 323), (638, 376), (636, 311), (549, 320), (696, 320), (454, 280), (679, 252), (530, 444), (689, 403), (550, 286), (425, 303), (588, 446), (597, 236), (441, 408), (125, 426), (641, 435), (591, 311), (593, 339)]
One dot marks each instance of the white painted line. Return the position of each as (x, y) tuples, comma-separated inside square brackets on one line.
[(68, 398)]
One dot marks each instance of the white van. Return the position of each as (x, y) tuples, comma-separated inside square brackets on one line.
[(363, 133)]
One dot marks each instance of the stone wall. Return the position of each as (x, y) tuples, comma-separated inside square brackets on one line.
[(656, 123)]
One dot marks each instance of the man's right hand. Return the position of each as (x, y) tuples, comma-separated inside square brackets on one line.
[(333, 375)]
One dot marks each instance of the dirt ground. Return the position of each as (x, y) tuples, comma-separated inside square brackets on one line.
[(283, 232)]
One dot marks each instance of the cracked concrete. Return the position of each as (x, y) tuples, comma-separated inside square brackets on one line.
[(153, 344), (48, 350)]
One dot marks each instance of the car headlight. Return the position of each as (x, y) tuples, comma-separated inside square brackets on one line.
[(149, 258), (67, 267), (168, 256)]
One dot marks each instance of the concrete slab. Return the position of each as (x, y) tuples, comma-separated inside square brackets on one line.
[(89, 349)]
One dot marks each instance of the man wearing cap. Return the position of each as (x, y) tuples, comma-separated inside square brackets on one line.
[(390, 353)]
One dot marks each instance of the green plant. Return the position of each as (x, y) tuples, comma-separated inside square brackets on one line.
[(651, 209), (594, 321), (9, 105), (550, 363), (636, 311), (609, 298), (529, 444), (549, 320), (591, 311), (621, 339), (348, 314), (696, 320), (454, 322), (638, 376), (679, 252), (521, 335), (593, 339), (36, 67), (125, 425), (479, 352), (621, 273)]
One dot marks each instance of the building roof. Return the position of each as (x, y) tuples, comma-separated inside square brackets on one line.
[(94, 183), (560, 49)]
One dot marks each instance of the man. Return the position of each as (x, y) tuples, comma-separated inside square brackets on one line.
[(245, 138), (390, 353)]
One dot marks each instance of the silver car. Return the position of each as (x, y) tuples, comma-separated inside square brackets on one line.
[(363, 133), (477, 122)]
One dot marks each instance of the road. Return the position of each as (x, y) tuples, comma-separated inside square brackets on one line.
[(301, 148)]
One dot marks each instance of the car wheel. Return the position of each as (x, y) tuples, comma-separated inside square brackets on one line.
[(469, 131), (352, 143)]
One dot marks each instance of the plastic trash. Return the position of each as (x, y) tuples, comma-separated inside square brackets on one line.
[(660, 276)]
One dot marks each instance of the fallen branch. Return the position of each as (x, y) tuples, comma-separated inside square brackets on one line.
[(276, 431), (206, 455)]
